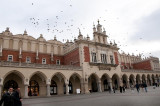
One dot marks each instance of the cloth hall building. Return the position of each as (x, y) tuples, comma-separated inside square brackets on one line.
[(45, 68)]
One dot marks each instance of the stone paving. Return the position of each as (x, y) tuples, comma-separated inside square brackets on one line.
[(151, 98)]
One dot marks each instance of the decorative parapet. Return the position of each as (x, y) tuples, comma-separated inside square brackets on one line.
[(43, 66), (104, 66), (140, 71)]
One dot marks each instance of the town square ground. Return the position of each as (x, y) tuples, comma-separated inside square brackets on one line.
[(151, 98)]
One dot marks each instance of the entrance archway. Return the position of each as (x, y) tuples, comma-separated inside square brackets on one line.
[(115, 81), (105, 82), (153, 80), (13, 79), (74, 83), (37, 84), (149, 80), (131, 79), (92, 83), (59, 84), (143, 78), (124, 80), (138, 79)]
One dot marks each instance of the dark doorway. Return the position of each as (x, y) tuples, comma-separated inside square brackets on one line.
[(33, 88), (53, 88)]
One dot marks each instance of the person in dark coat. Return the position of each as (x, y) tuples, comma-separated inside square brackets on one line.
[(123, 89), (137, 87), (120, 89), (8, 98), (17, 95)]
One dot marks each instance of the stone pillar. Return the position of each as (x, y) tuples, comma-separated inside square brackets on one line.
[(26, 91), (99, 86), (86, 91), (82, 88), (151, 82), (67, 93), (48, 90)]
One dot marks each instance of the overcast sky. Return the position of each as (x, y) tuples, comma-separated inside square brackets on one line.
[(133, 24)]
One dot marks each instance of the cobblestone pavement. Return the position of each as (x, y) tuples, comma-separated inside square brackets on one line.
[(151, 98)]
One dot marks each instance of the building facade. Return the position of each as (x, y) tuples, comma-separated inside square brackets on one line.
[(45, 68)]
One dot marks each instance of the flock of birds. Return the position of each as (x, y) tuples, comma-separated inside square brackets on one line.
[(69, 25)]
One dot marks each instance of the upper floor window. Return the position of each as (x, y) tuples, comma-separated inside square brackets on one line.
[(94, 58), (10, 57), (103, 58), (28, 60), (58, 62), (43, 60), (111, 59)]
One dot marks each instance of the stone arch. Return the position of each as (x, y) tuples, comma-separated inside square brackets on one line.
[(59, 79), (125, 80), (115, 81), (132, 79), (74, 83), (93, 80), (138, 79), (37, 84), (105, 82), (15, 79)]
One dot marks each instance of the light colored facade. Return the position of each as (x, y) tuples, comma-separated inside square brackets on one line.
[(45, 68)]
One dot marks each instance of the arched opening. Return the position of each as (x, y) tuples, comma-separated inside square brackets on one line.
[(124, 80), (37, 85), (74, 84), (53, 88), (143, 78), (33, 88), (70, 87), (153, 80), (59, 84), (105, 82), (149, 80), (131, 80), (92, 83), (115, 81), (10, 83), (138, 79), (13, 79)]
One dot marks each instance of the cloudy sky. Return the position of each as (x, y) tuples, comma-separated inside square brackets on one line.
[(133, 24)]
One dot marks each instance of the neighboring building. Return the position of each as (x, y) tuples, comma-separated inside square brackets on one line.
[(44, 68)]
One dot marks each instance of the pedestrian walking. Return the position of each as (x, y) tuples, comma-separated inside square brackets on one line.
[(18, 99), (145, 87), (120, 89), (8, 98), (137, 87)]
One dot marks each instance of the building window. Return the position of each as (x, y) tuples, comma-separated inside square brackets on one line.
[(103, 58), (43, 60), (28, 60), (10, 57), (94, 59), (111, 59), (58, 62)]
